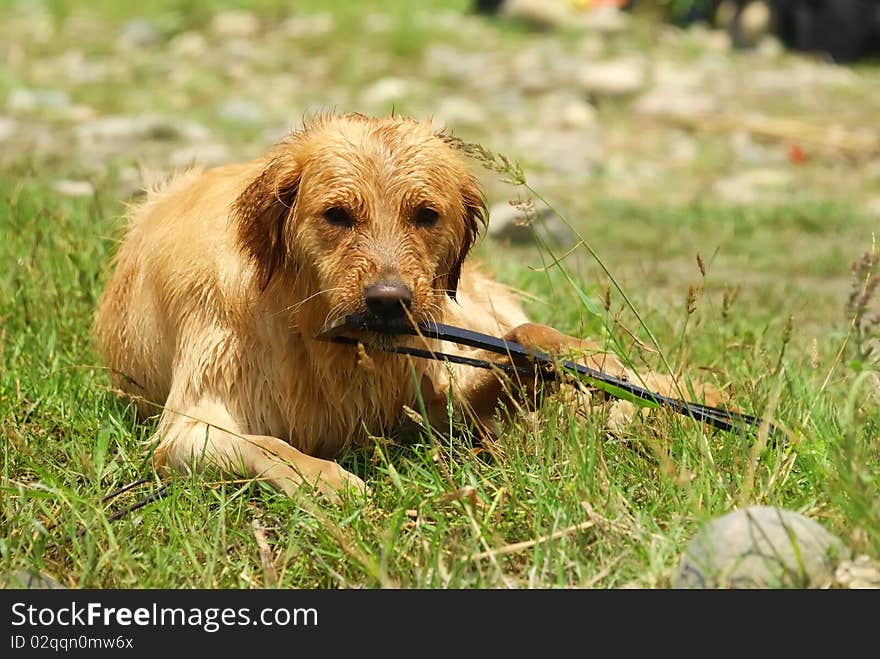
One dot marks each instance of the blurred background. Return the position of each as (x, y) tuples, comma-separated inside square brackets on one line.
[(747, 133)]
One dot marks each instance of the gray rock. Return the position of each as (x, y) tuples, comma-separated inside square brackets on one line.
[(708, 39), (509, 103), (542, 14), (138, 33), (530, 72), (872, 207), (753, 185), (754, 22), (8, 128), (566, 111), (69, 188), (590, 47), (135, 181), (460, 111), (314, 25), (674, 103), (618, 77), (241, 110), (383, 91), (235, 23), (770, 47), (77, 68), (107, 129), (756, 153), (35, 580), (761, 547), (569, 152), (237, 53), (803, 75), (209, 154), (577, 114), (27, 100), (454, 64), (863, 572), (143, 127), (678, 77), (78, 113), (683, 148), (603, 20), (534, 82), (508, 223), (188, 44)]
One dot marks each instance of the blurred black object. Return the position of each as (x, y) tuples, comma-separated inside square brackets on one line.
[(848, 30), (487, 6)]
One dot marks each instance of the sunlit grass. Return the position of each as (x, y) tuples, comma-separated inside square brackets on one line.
[(557, 501)]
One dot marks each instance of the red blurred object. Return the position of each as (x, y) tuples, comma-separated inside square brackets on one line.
[(796, 154)]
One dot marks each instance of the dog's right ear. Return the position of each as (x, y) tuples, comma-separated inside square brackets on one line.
[(261, 214), (475, 214)]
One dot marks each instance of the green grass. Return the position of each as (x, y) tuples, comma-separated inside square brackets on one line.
[(591, 509), (67, 440)]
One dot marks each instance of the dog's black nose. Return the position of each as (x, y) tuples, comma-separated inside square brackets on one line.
[(388, 300)]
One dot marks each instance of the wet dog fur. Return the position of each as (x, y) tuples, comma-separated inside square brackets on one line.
[(224, 277)]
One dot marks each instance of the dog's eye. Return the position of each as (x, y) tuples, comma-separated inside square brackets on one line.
[(338, 217), (425, 217)]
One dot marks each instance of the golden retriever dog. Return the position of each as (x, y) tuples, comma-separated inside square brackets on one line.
[(225, 276)]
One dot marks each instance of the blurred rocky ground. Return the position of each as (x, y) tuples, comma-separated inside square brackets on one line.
[(604, 100), (611, 106)]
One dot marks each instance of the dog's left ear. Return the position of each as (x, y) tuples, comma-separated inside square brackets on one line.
[(475, 214), (261, 213)]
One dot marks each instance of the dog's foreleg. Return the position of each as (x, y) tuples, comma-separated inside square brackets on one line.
[(205, 436)]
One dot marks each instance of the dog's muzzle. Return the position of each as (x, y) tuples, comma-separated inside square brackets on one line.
[(386, 313)]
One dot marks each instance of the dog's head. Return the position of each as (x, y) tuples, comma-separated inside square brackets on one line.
[(369, 216)]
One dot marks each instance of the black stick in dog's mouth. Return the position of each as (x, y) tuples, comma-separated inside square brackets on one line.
[(527, 362), (362, 322)]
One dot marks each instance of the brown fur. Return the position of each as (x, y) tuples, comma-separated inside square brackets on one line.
[(225, 275)]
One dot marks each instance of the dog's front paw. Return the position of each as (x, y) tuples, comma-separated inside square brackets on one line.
[(543, 337), (335, 483), (552, 341)]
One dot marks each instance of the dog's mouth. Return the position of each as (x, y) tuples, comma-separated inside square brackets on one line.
[(368, 329)]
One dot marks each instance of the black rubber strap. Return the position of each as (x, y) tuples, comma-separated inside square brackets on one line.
[(446, 357), (520, 355)]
